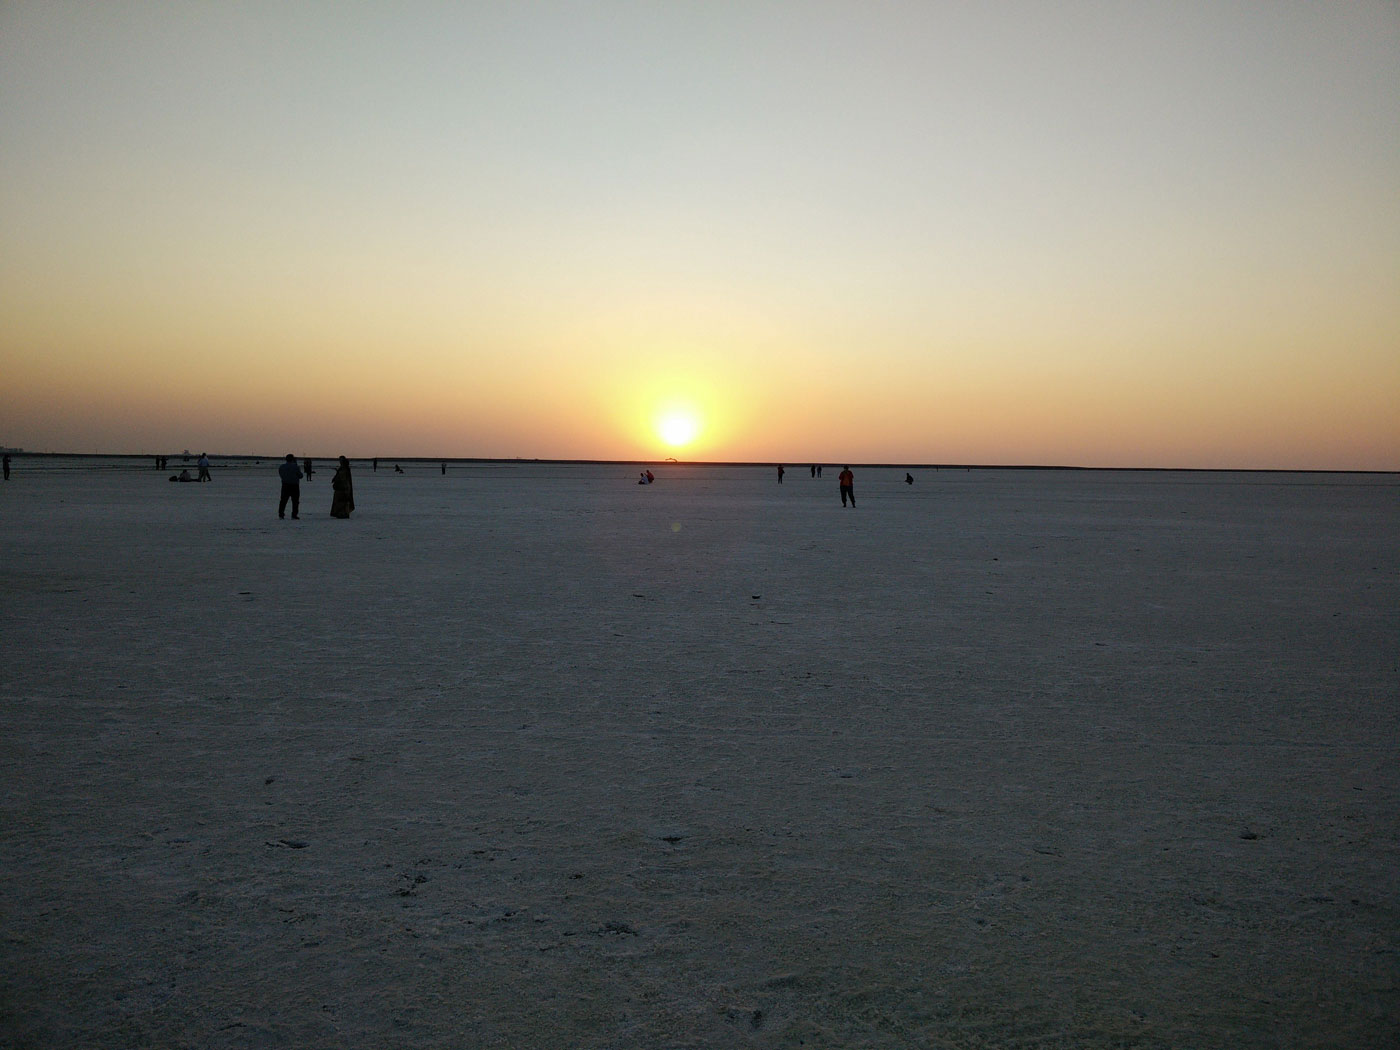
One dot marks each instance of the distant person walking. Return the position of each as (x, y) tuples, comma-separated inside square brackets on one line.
[(291, 487), (848, 486), (814, 470), (306, 469), (376, 466), (819, 470), (342, 491), (781, 472), (444, 470), (204, 467), (7, 466)]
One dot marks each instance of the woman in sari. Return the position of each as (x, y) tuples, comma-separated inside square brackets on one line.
[(342, 491)]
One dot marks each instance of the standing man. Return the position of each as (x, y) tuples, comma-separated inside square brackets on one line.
[(7, 466), (781, 472), (291, 489), (848, 486), (306, 468), (444, 469), (204, 467)]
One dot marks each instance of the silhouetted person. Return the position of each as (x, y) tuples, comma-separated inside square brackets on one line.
[(291, 490), (444, 470), (7, 466), (819, 470), (848, 486), (814, 470), (307, 470), (780, 473), (908, 479), (204, 467), (376, 466), (342, 491), (398, 469)]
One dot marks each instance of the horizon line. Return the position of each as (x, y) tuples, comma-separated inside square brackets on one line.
[(771, 463)]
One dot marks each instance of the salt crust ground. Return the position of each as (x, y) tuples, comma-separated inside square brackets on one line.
[(532, 756)]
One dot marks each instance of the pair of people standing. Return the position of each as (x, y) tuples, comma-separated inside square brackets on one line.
[(342, 489)]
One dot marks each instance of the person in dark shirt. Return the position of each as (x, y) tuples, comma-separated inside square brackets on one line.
[(291, 487)]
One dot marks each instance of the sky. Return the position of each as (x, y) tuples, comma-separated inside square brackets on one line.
[(1099, 234)]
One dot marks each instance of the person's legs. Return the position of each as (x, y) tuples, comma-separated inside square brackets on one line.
[(282, 503), (296, 501)]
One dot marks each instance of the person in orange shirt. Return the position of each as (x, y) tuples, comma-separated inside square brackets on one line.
[(848, 486)]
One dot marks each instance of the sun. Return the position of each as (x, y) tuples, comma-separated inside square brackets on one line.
[(678, 428)]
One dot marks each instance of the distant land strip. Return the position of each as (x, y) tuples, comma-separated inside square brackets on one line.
[(141, 461)]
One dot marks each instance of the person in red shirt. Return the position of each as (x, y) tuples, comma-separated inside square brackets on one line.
[(848, 486)]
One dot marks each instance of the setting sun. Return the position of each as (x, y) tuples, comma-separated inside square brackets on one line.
[(678, 429)]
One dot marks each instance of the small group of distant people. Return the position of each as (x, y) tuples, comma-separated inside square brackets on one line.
[(847, 481), (342, 488), (647, 478), (184, 475)]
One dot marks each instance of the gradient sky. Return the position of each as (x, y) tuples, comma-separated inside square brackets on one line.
[(1106, 234)]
